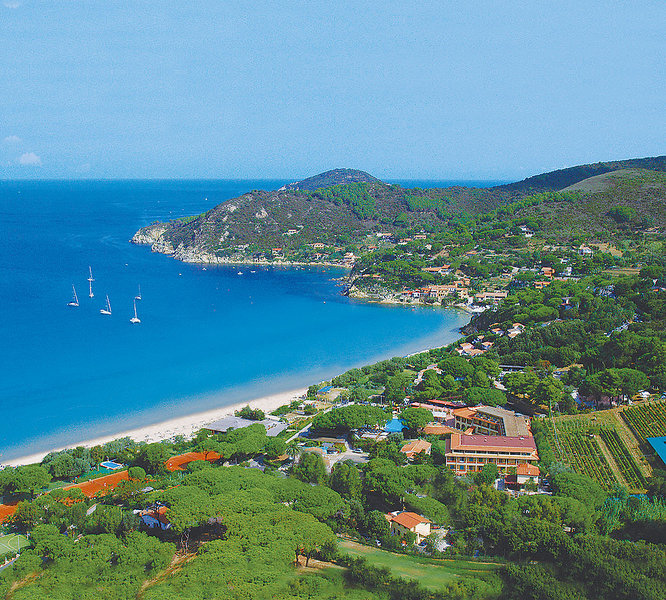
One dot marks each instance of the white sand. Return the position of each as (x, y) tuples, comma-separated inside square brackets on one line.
[(181, 426)]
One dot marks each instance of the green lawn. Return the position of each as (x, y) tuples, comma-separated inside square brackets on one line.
[(11, 543), (431, 573)]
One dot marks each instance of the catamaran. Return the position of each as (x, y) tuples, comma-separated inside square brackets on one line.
[(107, 309), (75, 299), (90, 280), (138, 296), (135, 319)]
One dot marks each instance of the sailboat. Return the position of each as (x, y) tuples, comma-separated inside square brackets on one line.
[(90, 280), (138, 296), (135, 319), (107, 309), (75, 299)]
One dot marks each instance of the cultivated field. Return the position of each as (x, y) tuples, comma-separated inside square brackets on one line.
[(647, 419)]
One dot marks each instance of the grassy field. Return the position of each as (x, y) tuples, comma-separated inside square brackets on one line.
[(11, 543), (431, 573)]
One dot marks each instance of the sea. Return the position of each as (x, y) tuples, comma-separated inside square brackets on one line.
[(209, 336)]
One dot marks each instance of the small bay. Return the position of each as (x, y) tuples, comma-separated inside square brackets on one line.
[(208, 336)]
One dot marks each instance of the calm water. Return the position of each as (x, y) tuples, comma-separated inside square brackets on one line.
[(207, 338)]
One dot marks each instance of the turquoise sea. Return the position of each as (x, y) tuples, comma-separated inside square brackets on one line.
[(207, 338)]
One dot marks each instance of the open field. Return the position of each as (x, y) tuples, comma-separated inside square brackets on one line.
[(12, 542), (431, 573)]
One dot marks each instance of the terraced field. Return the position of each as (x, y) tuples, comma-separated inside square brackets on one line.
[(647, 419), (576, 447), (623, 459)]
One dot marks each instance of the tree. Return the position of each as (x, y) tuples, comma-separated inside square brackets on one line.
[(487, 475), (189, 507), (416, 418), (346, 480), (255, 414), (207, 446), (486, 396), (152, 457), (396, 387), (456, 366), (350, 417), (136, 473), (382, 477), (275, 447), (319, 501), (310, 468), (26, 516), (27, 479), (580, 487)]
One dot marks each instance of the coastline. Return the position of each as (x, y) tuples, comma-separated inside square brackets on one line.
[(165, 430)]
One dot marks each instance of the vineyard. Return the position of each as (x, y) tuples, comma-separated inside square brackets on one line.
[(646, 420), (578, 449), (623, 459)]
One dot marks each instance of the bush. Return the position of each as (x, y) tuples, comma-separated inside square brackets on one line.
[(136, 473)]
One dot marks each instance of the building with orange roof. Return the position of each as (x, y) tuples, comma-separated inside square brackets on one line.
[(526, 472), (491, 420), (468, 453), (438, 429), (415, 447), (404, 521)]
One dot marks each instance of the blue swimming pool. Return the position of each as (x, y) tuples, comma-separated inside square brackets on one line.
[(109, 464), (394, 425)]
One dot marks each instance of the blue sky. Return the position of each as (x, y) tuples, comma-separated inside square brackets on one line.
[(223, 89)]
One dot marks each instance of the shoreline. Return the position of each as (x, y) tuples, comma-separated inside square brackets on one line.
[(165, 430)]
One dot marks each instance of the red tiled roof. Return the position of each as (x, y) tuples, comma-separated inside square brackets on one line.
[(409, 520), (528, 469), (415, 447), (465, 413), (434, 429), (491, 442)]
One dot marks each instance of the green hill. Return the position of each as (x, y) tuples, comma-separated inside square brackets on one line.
[(340, 208)]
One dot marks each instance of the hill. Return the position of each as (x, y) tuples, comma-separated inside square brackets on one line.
[(334, 177), (618, 201), (338, 209)]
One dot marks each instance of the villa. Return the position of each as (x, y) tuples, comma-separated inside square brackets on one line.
[(403, 522)]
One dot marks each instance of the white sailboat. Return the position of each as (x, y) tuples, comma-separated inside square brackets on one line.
[(138, 296), (75, 299), (90, 281), (107, 309), (135, 319)]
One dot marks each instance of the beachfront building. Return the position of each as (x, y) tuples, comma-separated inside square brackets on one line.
[(468, 453), (273, 426), (493, 298), (491, 420), (402, 522)]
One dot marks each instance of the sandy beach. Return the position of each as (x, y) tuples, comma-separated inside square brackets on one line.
[(165, 430)]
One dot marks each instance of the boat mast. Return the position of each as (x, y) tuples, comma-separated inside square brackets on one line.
[(90, 282)]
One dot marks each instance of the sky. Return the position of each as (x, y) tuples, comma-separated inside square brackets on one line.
[(225, 89)]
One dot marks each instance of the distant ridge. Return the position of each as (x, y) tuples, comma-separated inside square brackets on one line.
[(333, 177), (562, 178)]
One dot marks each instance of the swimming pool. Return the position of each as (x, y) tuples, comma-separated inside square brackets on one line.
[(394, 425), (109, 464)]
